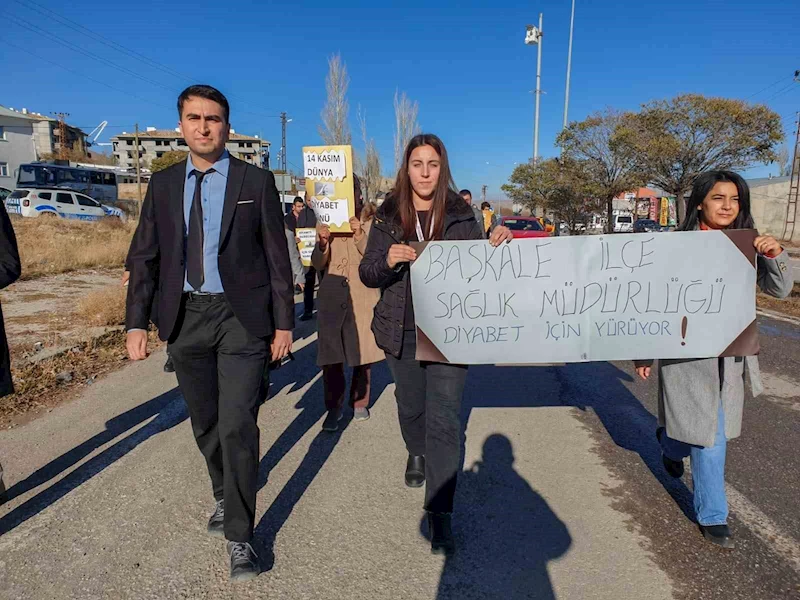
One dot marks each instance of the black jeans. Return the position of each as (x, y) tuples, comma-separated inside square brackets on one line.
[(220, 367), (429, 406)]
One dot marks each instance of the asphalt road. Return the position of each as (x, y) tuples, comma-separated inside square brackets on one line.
[(563, 494)]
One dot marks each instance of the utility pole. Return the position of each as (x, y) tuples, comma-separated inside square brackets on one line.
[(569, 63), (534, 38), (63, 152), (794, 188), (284, 120), (138, 168), (483, 193)]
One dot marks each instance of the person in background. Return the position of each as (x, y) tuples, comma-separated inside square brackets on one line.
[(489, 218), (701, 400), (298, 269), (344, 315), (423, 206), (291, 218), (306, 218), (10, 270), (467, 196)]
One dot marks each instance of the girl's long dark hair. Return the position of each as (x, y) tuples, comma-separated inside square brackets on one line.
[(404, 194), (703, 185)]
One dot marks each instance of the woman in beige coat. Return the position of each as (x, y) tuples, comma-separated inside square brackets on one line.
[(701, 400), (344, 317)]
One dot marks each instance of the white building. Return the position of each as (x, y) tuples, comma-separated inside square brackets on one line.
[(16, 144), (154, 143)]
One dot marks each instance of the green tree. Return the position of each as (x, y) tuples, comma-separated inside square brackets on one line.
[(675, 140), (603, 145), (173, 157), (565, 187)]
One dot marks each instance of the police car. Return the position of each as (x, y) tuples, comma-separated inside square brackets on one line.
[(59, 202)]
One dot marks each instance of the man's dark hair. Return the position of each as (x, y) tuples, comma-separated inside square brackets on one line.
[(463, 193), (207, 92), (485, 205), (298, 199)]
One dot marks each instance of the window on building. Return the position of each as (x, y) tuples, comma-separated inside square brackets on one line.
[(159, 154), (3, 169), (64, 198), (181, 142), (2, 133)]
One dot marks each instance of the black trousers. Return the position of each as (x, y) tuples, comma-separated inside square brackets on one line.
[(429, 406), (308, 292), (220, 368)]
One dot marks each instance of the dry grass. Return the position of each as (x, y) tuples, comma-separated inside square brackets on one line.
[(51, 246), (103, 307), (37, 384), (788, 306)]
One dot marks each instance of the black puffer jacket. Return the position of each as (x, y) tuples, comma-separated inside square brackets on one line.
[(387, 229)]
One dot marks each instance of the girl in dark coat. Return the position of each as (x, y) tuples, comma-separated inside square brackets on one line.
[(423, 206)]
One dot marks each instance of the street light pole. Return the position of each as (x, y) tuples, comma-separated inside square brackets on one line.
[(533, 37), (569, 62)]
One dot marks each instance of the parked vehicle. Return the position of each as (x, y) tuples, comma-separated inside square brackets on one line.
[(524, 227), (623, 223), (4, 193), (647, 226), (100, 184), (36, 202)]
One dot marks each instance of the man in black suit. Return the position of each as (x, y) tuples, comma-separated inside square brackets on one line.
[(211, 240), (306, 217)]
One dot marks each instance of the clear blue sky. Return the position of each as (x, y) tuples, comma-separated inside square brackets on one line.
[(464, 62)]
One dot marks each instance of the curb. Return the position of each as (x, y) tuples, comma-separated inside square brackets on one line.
[(777, 316)]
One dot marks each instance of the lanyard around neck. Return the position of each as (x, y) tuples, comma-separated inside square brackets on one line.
[(420, 235)]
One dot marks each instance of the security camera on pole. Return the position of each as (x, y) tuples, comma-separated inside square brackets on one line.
[(533, 37)]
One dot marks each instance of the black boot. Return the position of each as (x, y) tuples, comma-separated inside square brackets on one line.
[(441, 530), (168, 366), (673, 467), (415, 471), (718, 534)]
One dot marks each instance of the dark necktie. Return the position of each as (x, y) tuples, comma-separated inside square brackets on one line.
[(195, 274)]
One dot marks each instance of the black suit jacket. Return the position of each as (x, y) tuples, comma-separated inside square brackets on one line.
[(253, 257), (10, 270)]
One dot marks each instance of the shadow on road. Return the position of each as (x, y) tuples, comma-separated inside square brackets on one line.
[(599, 386), (505, 532), (168, 409)]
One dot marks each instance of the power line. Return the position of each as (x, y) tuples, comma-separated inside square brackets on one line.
[(34, 28), (125, 50), (781, 91), (774, 83), (116, 89)]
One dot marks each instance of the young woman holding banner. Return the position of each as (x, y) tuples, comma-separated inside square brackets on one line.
[(701, 400), (423, 206)]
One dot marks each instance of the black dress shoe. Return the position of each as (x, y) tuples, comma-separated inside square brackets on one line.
[(415, 471), (441, 529), (168, 366), (718, 534), (216, 524), (673, 467)]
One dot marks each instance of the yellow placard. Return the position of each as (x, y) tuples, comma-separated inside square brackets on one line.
[(664, 211), (308, 239), (328, 171)]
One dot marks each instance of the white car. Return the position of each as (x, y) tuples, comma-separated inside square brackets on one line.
[(64, 203)]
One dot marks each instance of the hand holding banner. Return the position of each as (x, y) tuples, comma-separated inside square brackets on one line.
[(328, 171)]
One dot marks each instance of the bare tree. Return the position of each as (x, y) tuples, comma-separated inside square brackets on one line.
[(406, 125), (784, 161), (371, 167), (335, 129)]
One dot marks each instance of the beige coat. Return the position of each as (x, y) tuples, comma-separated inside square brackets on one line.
[(344, 304)]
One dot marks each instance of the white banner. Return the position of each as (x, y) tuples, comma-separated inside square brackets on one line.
[(585, 298)]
